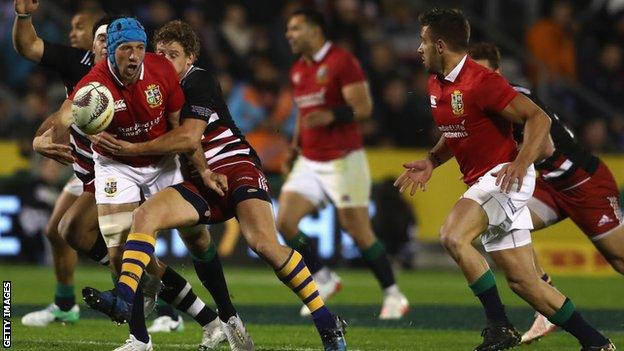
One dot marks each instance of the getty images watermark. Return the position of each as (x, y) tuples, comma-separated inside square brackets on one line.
[(6, 314)]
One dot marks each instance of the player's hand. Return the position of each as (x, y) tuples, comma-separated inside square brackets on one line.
[(287, 166), (317, 118), (416, 175), (61, 153), (108, 143), (26, 6), (215, 181), (509, 174)]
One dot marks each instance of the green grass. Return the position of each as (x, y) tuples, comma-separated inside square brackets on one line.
[(444, 314)]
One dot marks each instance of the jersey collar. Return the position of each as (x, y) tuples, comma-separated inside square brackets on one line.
[(452, 76), (117, 79), (322, 52), (187, 72)]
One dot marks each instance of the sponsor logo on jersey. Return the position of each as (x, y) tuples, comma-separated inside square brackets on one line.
[(120, 105), (153, 95), (322, 75), (432, 100), (457, 103), (604, 220), (110, 187), (311, 100)]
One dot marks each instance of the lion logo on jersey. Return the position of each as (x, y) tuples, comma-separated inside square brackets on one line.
[(322, 75), (111, 187), (153, 95), (457, 103)]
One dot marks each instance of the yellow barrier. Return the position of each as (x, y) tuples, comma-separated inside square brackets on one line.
[(12, 161)]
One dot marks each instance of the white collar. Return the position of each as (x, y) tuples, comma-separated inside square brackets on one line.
[(452, 76), (117, 79), (322, 52), (187, 72)]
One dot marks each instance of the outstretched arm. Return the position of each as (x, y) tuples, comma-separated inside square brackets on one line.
[(51, 137), (25, 39), (417, 173)]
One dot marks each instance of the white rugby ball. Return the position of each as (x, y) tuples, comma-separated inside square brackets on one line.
[(93, 108)]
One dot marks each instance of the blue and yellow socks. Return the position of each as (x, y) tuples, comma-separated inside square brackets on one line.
[(305, 246), (137, 254)]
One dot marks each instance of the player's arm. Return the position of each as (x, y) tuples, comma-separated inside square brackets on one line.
[(536, 136), (359, 106), (51, 136), (25, 39), (417, 173)]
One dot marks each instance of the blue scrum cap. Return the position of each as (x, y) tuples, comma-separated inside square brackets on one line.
[(123, 30)]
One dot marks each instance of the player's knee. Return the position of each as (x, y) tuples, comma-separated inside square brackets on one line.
[(449, 239), (144, 220), (68, 230), (197, 240), (51, 231)]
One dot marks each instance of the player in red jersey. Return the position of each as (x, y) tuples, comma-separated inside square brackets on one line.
[(332, 95), (145, 88), (474, 109), (240, 190), (71, 62), (572, 183)]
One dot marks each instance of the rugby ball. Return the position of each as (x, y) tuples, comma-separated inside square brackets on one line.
[(93, 108)]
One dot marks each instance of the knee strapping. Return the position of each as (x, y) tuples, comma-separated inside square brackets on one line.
[(113, 226)]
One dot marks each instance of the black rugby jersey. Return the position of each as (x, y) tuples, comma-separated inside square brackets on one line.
[(569, 155), (223, 142)]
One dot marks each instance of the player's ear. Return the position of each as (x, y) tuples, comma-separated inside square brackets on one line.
[(440, 45)]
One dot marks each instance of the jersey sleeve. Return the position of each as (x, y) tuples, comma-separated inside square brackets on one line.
[(494, 93), (61, 58), (200, 91), (349, 70)]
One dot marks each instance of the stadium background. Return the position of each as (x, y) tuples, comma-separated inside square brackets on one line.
[(571, 53)]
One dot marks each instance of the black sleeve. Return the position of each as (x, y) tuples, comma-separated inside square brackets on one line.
[(62, 59), (202, 96)]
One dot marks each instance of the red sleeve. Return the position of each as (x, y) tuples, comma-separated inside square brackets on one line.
[(349, 70), (175, 95), (494, 93), (94, 75)]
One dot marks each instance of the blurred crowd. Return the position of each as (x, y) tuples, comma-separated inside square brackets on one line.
[(572, 53)]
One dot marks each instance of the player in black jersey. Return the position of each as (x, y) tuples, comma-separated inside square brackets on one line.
[(239, 189), (572, 183), (72, 63)]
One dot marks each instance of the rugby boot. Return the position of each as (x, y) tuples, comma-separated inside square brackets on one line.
[(540, 328), (132, 344), (395, 306), (212, 335), (334, 339), (499, 337), (108, 303), (50, 314), (237, 335), (166, 324), (608, 347)]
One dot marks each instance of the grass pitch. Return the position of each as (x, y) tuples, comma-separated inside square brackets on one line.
[(444, 314)]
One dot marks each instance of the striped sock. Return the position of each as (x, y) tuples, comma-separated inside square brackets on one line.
[(179, 293), (136, 256), (305, 246), (295, 274)]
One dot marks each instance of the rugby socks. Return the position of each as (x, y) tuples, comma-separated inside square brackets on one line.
[(377, 260), (165, 309), (137, 251), (137, 319), (571, 321), (485, 289), (297, 277), (64, 297), (99, 251), (308, 250), (210, 273), (179, 293)]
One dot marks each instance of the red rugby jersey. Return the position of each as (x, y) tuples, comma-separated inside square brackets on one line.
[(317, 85), (140, 108), (465, 106)]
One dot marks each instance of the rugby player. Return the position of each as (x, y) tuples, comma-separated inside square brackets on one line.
[(113, 197), (474, 109), (71, 62), (572, 183), (330, 164), (241, 191)]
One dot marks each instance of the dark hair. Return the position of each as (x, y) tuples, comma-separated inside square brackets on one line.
[(448, 25), (106, 19), (486, 51), (180, 32), (313, 17)]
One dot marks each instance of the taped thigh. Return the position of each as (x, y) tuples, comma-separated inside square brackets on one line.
[(114, 226)]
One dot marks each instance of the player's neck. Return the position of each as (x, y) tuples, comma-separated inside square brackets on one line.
[(450, 61), (316, 46)]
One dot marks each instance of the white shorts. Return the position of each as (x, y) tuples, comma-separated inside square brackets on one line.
[(346, 181), (118, 183), (73, 186), (508, 214)]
